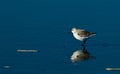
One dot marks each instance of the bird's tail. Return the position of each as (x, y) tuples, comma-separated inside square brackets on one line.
[(92, 34)]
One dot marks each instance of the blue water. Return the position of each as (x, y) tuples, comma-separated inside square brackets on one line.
[(45, 25)]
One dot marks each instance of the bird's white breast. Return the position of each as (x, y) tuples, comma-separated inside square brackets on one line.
[(81, 38)]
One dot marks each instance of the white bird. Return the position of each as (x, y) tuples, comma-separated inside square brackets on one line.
[(81, 34)]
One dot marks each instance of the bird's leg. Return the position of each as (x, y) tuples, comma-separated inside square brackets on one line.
[(84, 42), (83, 47)]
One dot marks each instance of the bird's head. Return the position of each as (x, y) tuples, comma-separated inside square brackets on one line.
[(73, 30)]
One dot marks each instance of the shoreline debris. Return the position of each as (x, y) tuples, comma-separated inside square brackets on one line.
[(26, 50), (112, 69), (6, 67)]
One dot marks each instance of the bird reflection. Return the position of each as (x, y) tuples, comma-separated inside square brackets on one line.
[(81, 55)]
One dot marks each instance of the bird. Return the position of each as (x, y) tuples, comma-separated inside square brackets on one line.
[(81, 34)]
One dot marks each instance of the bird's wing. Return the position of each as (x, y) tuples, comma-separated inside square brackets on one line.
[(83, 33)]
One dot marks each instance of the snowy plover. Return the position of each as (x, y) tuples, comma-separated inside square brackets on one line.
[(81, 34)]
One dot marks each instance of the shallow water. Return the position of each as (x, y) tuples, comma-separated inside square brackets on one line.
[(45, 25)]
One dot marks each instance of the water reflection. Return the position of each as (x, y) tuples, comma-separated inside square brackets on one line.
[(81, 55)]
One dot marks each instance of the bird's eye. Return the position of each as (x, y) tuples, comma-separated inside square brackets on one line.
[(77, 56), (78, 33)]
